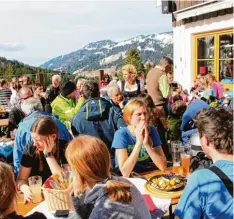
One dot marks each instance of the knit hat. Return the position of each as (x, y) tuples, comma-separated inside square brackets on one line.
[(67, 88)]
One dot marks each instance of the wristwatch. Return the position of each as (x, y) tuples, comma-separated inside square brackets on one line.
[(49, 154)]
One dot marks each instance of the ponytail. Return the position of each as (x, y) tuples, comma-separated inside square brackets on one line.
[(118, 191)]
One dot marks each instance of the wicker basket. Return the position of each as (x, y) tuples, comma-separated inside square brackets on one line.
[(57, 199)]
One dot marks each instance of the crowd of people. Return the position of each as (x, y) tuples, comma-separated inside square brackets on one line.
[(104, 131)]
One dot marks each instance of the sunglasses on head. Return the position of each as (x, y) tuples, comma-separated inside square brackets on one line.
[(26, 97)]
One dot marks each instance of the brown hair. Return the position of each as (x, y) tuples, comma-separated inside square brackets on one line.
[(36, 85), (8, 189), (178, 107), (217, 125), (89, 157), (46, 126), (2, 82), (167, 62), (131, 106), (147, 99)]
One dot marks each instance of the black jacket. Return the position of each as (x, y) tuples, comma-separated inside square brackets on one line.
[(52, 94)]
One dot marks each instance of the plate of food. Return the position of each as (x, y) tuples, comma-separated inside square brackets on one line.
[(167, 182)]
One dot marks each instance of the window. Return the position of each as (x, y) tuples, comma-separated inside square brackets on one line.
[(214, 54)]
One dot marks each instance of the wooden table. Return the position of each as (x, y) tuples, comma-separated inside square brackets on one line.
[(174, 201), (21, 208), (4, 122)]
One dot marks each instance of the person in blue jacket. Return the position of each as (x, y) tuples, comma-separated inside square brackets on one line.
[(32, 108), (97, 116), (209, 192), (187, 126)]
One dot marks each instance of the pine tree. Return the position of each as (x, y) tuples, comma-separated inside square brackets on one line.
[(134, 59), (8, 72)]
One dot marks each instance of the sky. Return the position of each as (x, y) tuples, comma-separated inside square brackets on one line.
[(34, 32)]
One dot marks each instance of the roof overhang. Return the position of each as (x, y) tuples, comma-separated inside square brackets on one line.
[(203, 8)]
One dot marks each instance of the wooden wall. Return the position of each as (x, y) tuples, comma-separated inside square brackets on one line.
[(188, 3), (181, 4)]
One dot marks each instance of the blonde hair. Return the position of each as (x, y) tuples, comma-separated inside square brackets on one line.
[(89, 157), (211, 76), (131, 69), (8, 189), (205, 82), (131, 106)]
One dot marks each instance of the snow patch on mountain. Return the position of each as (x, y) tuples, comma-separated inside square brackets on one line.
[(112, 58), (149, 48), (164, 38)]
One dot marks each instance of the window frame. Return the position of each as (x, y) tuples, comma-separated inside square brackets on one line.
[(216, 34)]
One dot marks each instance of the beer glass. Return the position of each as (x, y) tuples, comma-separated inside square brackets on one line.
[(185, 158), (35, 184), (175, 149)]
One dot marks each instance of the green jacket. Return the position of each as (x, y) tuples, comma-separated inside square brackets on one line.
[(65, 109)]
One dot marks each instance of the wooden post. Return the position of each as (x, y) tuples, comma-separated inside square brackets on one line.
[(40, 78), (101, 75)]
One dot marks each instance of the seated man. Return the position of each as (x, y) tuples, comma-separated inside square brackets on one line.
[(16, 114), (97, 116), (33, 110), (209, 192), (115, 95), (64, 105)]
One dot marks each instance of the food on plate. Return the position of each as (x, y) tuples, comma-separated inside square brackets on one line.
[(166, 182)]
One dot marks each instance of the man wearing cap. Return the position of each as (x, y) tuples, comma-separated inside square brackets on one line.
[(64, 105)]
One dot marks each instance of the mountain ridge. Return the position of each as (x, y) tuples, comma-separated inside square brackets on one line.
[(107, 53)]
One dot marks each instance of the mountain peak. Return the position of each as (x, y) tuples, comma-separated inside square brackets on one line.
[(99, 44)]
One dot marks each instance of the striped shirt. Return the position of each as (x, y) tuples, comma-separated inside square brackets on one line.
[(5, 96)]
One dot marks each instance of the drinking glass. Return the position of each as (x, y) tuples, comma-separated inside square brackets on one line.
[(35, 184), (185, 158), (175, 149)]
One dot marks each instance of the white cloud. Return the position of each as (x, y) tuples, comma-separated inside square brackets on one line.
[(49, 29), (11, 47)]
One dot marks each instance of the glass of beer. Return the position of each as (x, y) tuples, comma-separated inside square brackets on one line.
[(35, 184), (175, 149), (185, 158)]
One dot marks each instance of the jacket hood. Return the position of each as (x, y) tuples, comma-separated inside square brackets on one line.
[(96, 109), (192, 109)]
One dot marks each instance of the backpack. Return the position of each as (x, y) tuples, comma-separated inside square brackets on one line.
[(200, 161)]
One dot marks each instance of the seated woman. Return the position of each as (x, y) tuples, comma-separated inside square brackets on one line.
[(43, 156), (138, 141), (97, 194), (8, 195)]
